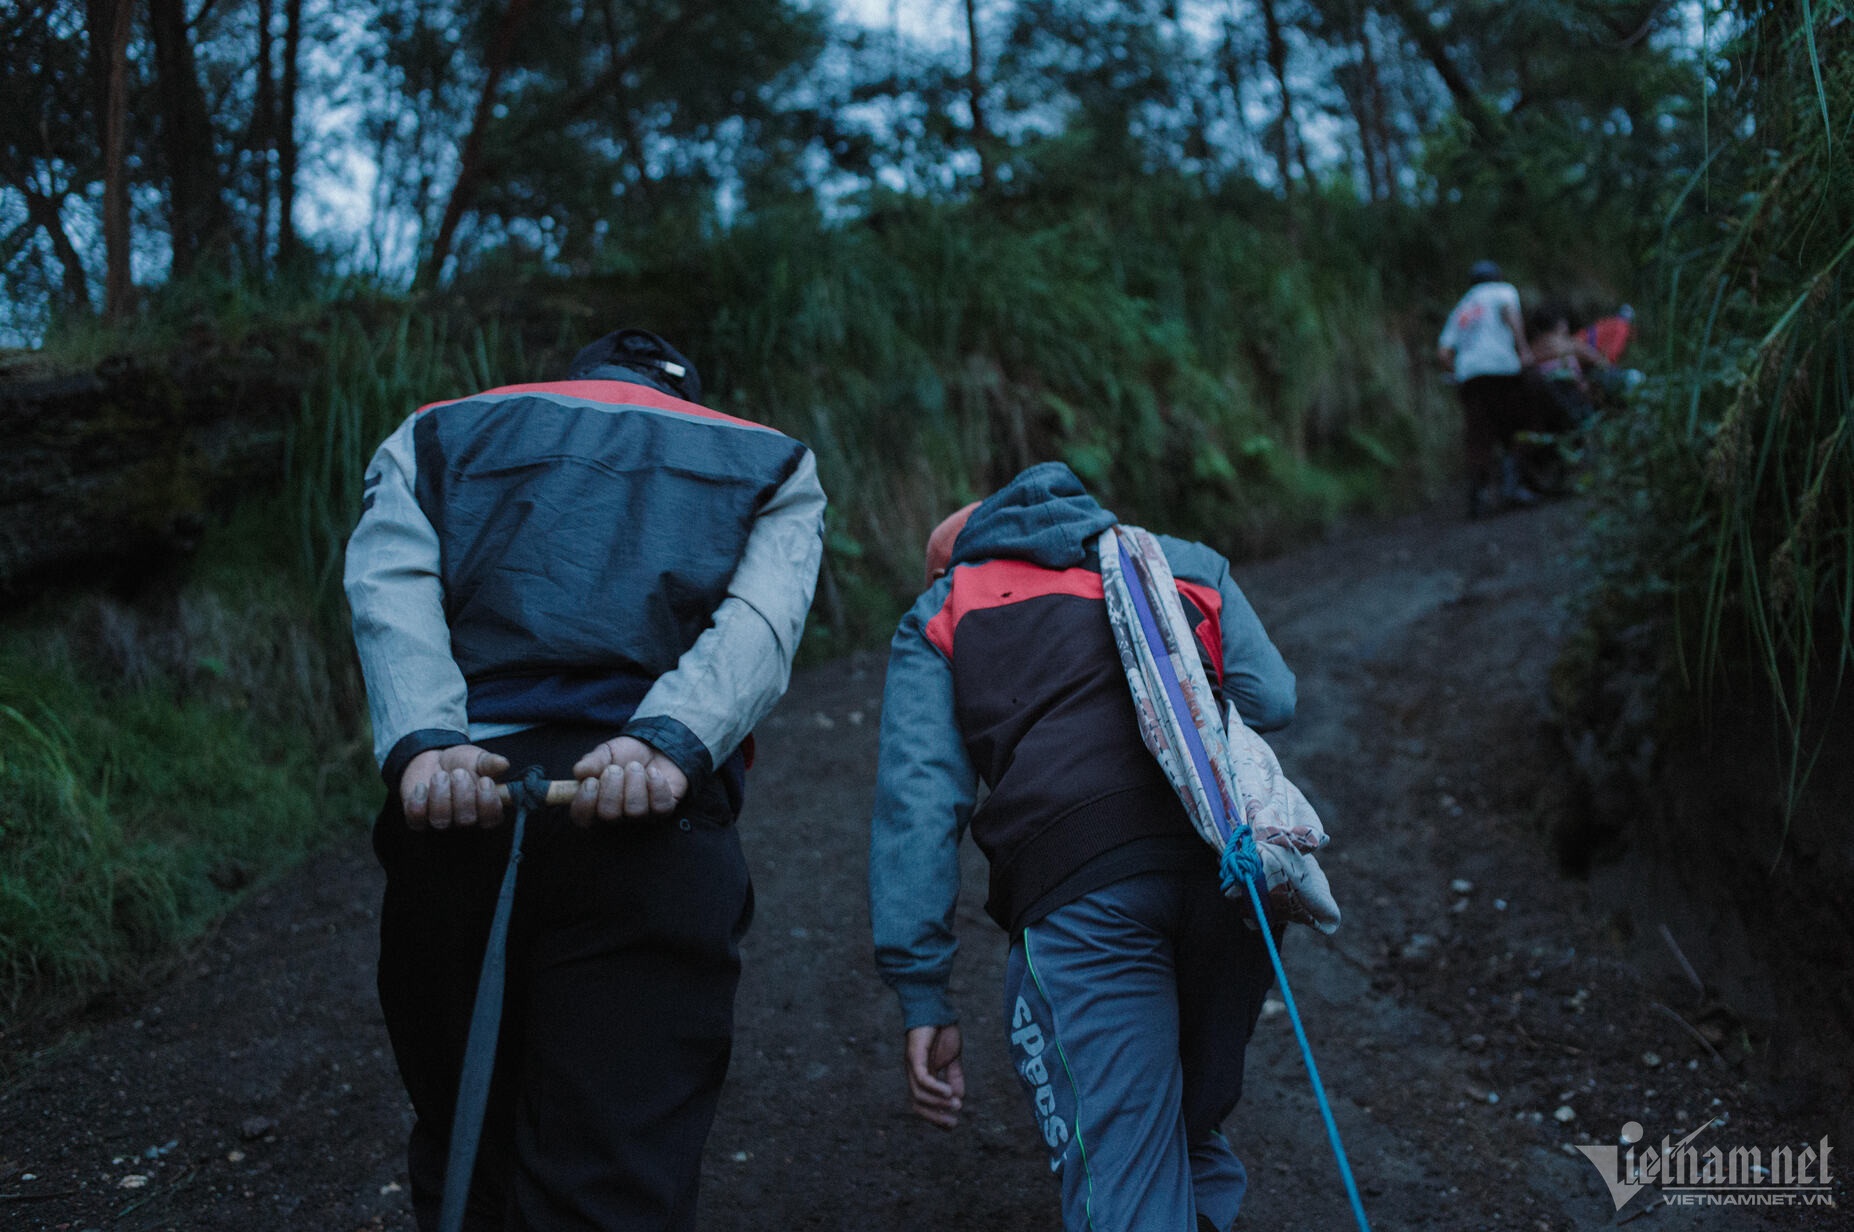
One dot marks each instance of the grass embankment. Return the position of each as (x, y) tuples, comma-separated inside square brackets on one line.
[(1187, 363), (1195, 367), (1190, 368), (155, 762), (1726, 539)]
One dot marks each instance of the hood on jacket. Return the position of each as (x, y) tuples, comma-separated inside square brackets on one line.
[(1043, 516)]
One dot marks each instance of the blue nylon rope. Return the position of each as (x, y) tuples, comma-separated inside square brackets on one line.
[(1245, 865), (485, 1020)]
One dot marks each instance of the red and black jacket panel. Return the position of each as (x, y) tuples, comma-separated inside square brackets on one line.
[(1047, 718)]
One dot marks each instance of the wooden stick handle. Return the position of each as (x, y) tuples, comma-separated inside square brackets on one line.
[(559, 791)]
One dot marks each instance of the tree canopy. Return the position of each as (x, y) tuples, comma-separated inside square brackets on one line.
[(417, 139)]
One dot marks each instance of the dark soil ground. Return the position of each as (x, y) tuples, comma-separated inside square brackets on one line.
[(1478, 1016)]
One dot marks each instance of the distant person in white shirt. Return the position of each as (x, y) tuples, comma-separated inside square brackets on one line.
[(1484, 345)]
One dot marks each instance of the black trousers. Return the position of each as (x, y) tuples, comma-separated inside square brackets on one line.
[(1493, 408), (618, 1014)]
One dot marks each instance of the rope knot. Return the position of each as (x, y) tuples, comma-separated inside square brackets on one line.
[(1242, 865), (530, 790)]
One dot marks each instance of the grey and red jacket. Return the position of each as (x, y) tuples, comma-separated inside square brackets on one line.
[(1005, 671), (592, 551)]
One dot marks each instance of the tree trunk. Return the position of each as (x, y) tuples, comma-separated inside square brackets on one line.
[(1277, 64), (1360, 99), (618, 61), (470, 168), (1306, 163), (45, 211), (1230, 59), (1380, 141), (1363, 97), (196, 207), (286, 133), (975, 90), (263, 138), (113, 20)]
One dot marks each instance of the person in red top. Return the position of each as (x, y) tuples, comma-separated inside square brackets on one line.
[(1610, 336), (1563, 363)]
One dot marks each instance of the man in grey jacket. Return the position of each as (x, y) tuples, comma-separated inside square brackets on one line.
[(602, 577)]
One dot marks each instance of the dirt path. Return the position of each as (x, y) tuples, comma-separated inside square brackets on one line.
[(1454, 1025)]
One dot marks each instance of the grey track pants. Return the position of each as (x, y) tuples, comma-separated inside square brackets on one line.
[(1129, 1012)]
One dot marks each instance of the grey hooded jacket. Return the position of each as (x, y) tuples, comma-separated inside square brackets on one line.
[(1005, 671)]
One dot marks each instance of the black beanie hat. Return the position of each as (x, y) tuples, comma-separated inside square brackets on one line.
[(661, 364)]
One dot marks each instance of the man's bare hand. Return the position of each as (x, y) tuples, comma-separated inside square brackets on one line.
[(936, 1079), (626, 778), (442, 788)]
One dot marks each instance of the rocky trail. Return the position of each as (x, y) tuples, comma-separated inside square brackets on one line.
[(1477, 1018)]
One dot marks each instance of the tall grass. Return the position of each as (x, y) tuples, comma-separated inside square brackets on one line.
[(1190, 366), (153, 765), (1731, 496), (159, 758), (377, 363)]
